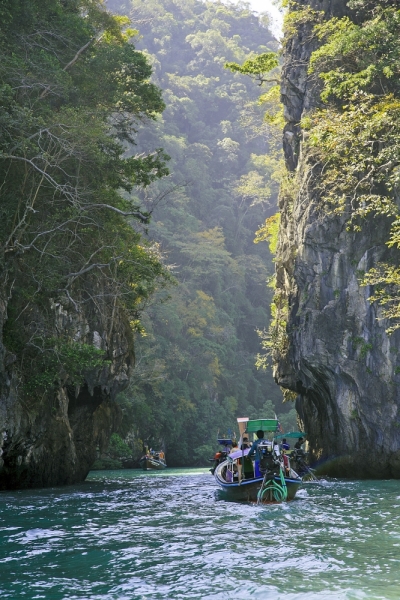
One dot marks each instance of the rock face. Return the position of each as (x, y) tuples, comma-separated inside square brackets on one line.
[(338, 358), (53, 439)]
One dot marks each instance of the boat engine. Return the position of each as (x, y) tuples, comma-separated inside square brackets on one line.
[(270, 463), (219, 457), (299, 459)]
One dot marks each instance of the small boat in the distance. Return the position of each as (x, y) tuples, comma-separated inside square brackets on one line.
[(153, 461), (221, 454), (272, 481)]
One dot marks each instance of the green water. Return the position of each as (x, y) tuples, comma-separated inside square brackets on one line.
[(129, 535)]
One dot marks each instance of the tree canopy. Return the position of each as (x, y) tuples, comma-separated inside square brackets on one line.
[(73, 91), (196, 362), (355, 136)]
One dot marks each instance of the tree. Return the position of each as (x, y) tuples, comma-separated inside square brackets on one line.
[(73, 91), (354, 139), (197, 371)]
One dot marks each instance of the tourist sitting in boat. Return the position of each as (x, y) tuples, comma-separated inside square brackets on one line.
[(286, 464), (255, 452), (285, 445), (299, 443), (237, 467)]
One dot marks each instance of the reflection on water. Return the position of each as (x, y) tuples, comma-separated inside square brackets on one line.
[(130, 535)]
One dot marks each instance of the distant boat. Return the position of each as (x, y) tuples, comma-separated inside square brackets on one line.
[(153, 461), (221, 454), (275, 482)]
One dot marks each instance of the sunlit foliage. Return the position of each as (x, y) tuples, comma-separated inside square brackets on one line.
[(196, 369), (73, 90), (355, 140)]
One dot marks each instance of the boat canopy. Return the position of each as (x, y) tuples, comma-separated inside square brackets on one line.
[(291, 434), (263, 424)]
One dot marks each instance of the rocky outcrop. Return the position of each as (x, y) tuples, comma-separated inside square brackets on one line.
[(340, 361), (53, 438)]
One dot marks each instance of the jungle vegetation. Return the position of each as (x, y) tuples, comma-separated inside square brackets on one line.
[(73, 90), (92, 110), (196, 355), (351, 141), (354, 138)]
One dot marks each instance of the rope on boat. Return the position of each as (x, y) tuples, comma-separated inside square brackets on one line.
[(310, 472), (278, 491)]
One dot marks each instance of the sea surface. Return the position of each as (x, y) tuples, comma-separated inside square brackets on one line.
[(130, 535)]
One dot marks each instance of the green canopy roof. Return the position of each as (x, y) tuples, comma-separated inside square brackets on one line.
[(291, 434), (263, 424)]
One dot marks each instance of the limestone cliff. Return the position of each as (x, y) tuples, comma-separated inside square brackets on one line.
[(338, 358), (52, 438)]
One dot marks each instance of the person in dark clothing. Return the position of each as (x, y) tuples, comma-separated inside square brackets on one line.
[(254, 452), (245, 444), (218, 458), (248, 471), (299, 443)]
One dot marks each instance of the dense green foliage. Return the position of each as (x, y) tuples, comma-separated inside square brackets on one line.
[(73, 90), (196, 363), (274, 339), (257, 68), (355, 140)]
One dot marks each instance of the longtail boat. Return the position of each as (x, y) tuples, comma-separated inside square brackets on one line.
[(153, 461), (298, 458), (271, 480), (221, 454)]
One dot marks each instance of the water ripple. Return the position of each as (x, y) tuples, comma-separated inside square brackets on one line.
[(127, 535)]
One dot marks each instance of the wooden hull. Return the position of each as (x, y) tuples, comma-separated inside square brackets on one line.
[(152, 464), (247, 490)]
